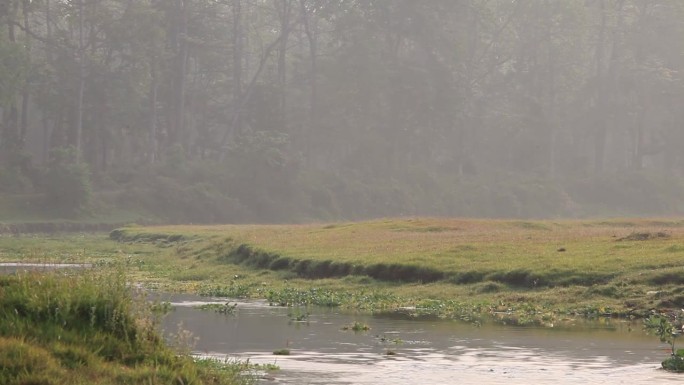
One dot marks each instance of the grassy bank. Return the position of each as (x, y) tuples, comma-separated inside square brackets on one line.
[(535, 272), (88, 328)]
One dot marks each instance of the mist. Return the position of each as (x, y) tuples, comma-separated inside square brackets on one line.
[(239, 111)]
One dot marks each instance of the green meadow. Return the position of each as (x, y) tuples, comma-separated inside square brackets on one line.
[(515, 272)]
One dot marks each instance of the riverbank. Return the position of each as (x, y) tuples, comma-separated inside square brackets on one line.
[(90, 328), (514, 272)]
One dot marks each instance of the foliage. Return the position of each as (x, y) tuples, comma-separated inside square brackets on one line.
[(233, 290), (67, 182), (667, 332), (13, 70), (334, 110), (663, 328)]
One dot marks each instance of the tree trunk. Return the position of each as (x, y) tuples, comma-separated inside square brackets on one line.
[(26, 89), (81, 82), (47, 132), (9, 136), (601, 102), (284, 12), (251, 85), (311, 31), (236, 125), (177, 124), (153, 145)]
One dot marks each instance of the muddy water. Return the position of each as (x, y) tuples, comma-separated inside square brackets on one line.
[(427, 351)]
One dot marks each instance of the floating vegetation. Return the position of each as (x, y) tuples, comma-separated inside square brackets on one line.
[(221, 308), (161, 307), (668, 331), (357, 327), (297, 315), (264, 367), (362, 300), (281, 352), (232, 364), (389, 344), (232, 290)]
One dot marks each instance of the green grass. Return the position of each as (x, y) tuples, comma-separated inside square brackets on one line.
[(535, 269), (522, 254), (534, 272), (88, 328)]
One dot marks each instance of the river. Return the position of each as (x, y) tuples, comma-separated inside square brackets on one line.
[(425, 351)]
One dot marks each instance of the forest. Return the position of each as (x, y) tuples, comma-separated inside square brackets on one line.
[(317, 110)]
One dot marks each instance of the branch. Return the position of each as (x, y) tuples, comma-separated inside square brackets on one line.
[(52, 42), (262, 63)]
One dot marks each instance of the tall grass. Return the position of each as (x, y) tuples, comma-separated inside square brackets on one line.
[(87, 328)]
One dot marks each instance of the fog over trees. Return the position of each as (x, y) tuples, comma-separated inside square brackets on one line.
[(295, 110)]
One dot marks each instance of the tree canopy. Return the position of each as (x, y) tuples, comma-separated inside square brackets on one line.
[(292, 110)]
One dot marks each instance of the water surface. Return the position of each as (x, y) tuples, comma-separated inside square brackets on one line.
[(427, 351), (15, 267)]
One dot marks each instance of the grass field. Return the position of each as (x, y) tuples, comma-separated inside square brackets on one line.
[(515, 271)]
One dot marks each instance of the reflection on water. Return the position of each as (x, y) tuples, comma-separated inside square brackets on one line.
[(427, 351)]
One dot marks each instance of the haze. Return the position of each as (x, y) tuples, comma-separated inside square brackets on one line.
[(302, 110)]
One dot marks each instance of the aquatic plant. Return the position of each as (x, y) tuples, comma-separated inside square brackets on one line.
[(221, 308), (281, 352), (298, 315), (234, 366), (357, 327), (161, 308), (232, 290), (667, 332), (389, 344)]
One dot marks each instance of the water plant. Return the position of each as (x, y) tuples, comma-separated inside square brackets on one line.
[(221, 308), (232, 290), (264, 367), (667, 332), (161, 308), (297, 315), (235, 366), (390, 344), (282, 352), (357, 327)]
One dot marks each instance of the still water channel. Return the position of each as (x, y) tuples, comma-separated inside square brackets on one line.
[(427, 351)]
